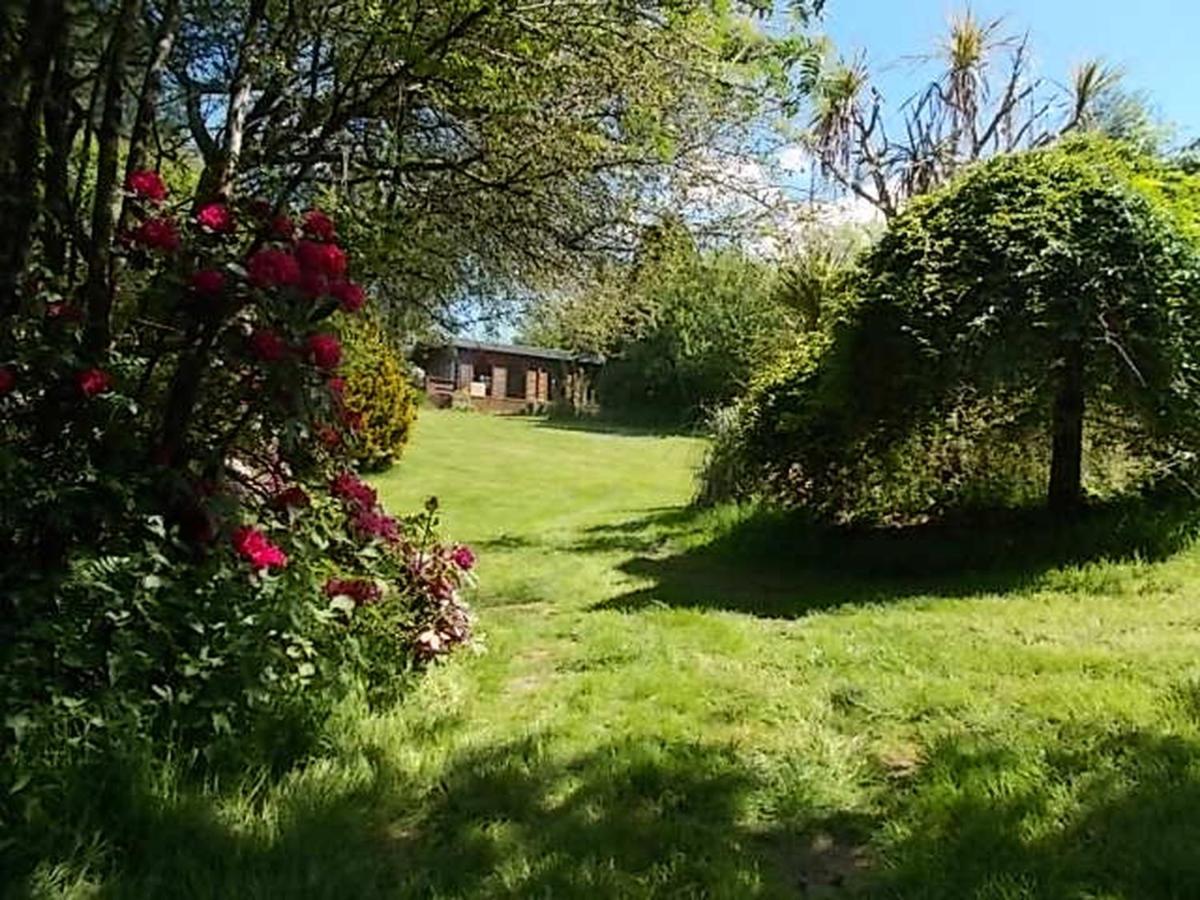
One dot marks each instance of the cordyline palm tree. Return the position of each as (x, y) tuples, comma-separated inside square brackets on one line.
[(1090, 82), (812, 282), (846, 128), (964, 86), (982, 102)]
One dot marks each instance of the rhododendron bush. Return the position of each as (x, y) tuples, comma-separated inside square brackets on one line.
[(184, 547)]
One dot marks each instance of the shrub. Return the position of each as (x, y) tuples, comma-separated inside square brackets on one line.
[(712, 318), (681, 329), (380, 402), (1036, 317), (725, 473), (186, 560)]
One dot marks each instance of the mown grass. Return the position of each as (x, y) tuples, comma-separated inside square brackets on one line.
[(722, 704)]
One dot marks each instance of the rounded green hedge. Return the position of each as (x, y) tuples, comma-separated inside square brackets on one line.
[(380, 400)]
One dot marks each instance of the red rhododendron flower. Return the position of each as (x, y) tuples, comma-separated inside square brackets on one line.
[(267, 345), (254, 547), (313, 285), (215, 217), (292, 498), (158, 233), (361, 590), (329, 436), (352, 419), (337, 386), (66, 312), (370, 523), (328, 259), (319, 225), (92, 382), (208, 282), (351, 296), (325, 350), (353, 490), (8, 380), (271, 268), (283, 228), (147, 185), (463, 557)]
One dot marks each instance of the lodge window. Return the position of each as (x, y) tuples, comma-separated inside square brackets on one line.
[(481, 382), (515, 388)]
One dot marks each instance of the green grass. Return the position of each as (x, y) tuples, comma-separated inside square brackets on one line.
[(680, 704)]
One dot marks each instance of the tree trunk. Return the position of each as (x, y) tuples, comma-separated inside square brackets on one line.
[(60, 137), (139, 135), (98, 290), (20, 143), (1066, 461), (216, 181)]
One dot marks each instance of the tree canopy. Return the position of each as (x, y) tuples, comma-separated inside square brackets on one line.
[(1048, 278), (682, 328), (492, 143), (983, 99)]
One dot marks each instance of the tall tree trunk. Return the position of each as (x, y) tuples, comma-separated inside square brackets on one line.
[(139, 135), (217, 178), (20, 142), (79, 241), (98, 291), (215, 181), (60, 136), (1066, 460)]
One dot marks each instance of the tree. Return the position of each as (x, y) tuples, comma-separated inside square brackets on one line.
[(492, 141), (1048, 280), (468, 146), (982, 102), (815, 280), (682, 328)]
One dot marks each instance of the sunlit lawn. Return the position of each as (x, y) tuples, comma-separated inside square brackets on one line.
[(677, 704)]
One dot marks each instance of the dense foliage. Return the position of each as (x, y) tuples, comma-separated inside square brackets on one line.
[(1039, 304), (380, 401), (186, 559), (457, 157), (681, 329)]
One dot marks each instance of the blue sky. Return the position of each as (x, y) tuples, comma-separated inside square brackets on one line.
[(1157, 42)]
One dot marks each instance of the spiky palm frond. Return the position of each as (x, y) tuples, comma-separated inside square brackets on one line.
[(837, 109), (1091, 81), (967, 51)]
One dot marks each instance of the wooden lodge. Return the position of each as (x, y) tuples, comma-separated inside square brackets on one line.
[(509, 378)]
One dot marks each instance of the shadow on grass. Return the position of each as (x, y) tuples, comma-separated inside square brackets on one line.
[(1081, 812), (643, 533), (116, 832), (632, 818), (507, 541), (1090, 814), (778, 565), (600, 425)]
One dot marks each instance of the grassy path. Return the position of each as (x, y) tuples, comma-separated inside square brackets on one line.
[(652, 719), (668, 705)]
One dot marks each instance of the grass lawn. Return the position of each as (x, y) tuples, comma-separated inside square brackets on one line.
[(681, 704)]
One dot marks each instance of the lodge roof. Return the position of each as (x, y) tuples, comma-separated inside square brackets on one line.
[(523, 350)]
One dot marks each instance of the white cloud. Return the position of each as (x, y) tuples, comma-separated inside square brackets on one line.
[(793, 159)]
